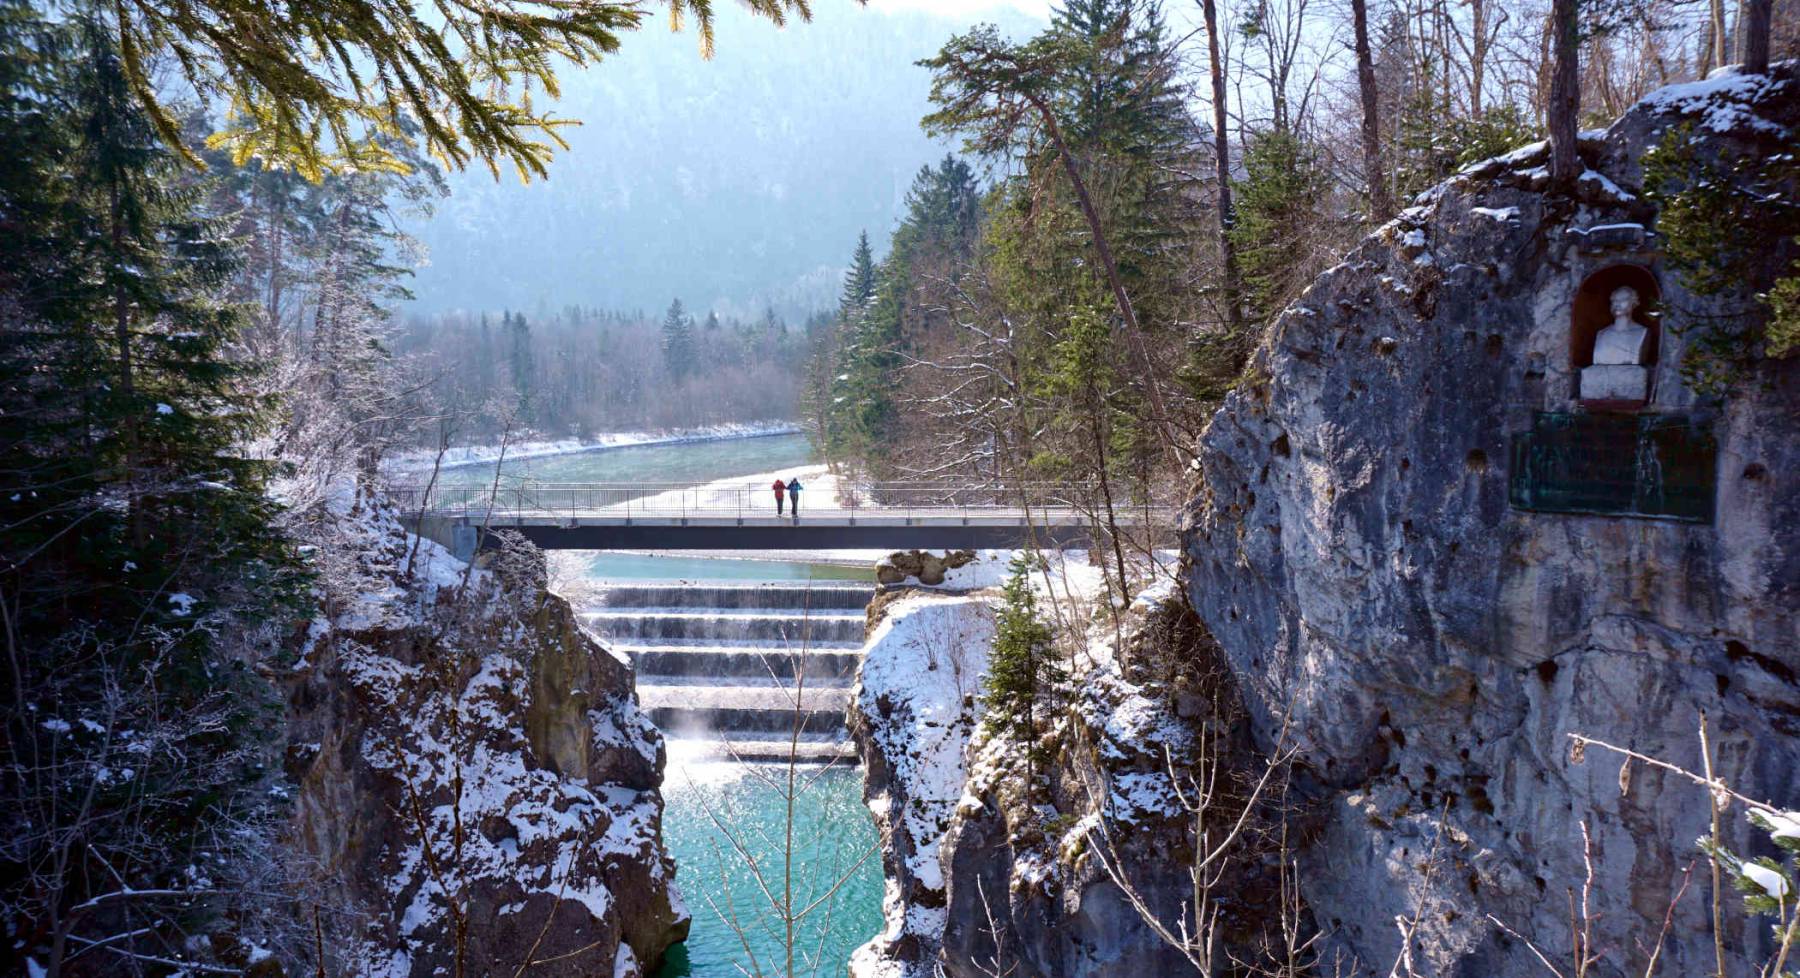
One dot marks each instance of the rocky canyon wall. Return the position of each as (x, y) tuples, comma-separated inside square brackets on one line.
[(1359, 549), (475, 784)]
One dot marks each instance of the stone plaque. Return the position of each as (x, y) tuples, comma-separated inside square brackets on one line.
[(1656, 466)]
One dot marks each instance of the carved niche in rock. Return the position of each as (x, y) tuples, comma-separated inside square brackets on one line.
[(1613, 337)]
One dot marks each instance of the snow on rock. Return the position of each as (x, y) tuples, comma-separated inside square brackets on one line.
[(916, 706), (969, 858), (1602, 186), (438, 703), (1026, 873), (1722, 103)]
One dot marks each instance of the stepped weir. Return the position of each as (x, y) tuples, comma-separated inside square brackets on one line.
[(756, 669)]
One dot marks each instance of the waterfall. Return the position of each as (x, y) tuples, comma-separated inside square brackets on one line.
[(731, 664)]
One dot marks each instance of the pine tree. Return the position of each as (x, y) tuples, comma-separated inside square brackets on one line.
[(880, 308), (140, 551), (680, 356), (859, 281), (520, 362), (1023, 666), (1278, 207)]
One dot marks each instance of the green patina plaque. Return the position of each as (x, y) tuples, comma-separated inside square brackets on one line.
[(1655, 466)]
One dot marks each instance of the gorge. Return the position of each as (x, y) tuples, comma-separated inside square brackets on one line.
[(1316, 537)]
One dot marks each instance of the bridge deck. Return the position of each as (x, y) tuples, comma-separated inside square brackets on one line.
[(820, 532), (663, 518)]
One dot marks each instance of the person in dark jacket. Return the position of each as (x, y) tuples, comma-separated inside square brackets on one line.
[(780, 488), (793, 488)]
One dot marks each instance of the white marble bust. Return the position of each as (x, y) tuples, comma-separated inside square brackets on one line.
[(1623, 341), (1617, 373)]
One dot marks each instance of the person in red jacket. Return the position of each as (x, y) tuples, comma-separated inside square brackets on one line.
[(780, 488)]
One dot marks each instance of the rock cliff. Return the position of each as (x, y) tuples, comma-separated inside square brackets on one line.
[(1431, 646), (913, 712), (474, 779), (1380, 579), (984, 877)]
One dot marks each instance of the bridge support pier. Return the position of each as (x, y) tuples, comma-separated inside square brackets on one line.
[(454, 533)]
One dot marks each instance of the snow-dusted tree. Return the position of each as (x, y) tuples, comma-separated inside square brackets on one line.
[(1023, 667), (141, 577)]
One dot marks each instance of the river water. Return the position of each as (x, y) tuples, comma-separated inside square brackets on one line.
[(833, 837), (692, 462)]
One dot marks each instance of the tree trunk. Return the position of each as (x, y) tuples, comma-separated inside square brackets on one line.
[(1096, 412), (1565, 96), (122, 317), (1234, 315), (1753, 33), (1381, 203), (1478, 55), (1110, 266), (1718, 34)]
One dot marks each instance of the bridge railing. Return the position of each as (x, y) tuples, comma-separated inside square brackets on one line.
[(631, 500)]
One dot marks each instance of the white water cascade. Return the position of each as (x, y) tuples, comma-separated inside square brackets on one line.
[(738, 666)]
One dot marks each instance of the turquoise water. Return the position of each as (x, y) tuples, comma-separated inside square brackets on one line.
[(692, 462), (609, 566), (832, 832)]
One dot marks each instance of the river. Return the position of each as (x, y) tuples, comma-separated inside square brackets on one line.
[(833, 834), (704, 461)]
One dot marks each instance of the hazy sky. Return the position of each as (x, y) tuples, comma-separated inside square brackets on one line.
[(958, 8), (732, 184)]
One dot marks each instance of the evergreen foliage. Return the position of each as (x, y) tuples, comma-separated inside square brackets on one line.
[(1107, 204), (1727, 223), (859, 280), (1023, 667), (1278, 205), (678, 348), (882, 312), (519, 362), (330, 86), (141, 561)]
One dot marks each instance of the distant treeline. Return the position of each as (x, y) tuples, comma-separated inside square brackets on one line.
[(581, 371)]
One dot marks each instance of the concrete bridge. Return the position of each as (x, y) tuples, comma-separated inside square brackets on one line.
[(711, 516)]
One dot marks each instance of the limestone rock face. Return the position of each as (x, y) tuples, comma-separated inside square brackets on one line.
[(915, 707), (981, 879), (1353, 549), (475, 780)]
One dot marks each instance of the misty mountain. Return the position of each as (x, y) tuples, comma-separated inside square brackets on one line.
[(732, 183)]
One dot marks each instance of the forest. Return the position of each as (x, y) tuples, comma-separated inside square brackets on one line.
[(1138, 201), (579, 372)]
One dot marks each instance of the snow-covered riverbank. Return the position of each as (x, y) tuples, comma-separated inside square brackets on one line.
[(467, 455)]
